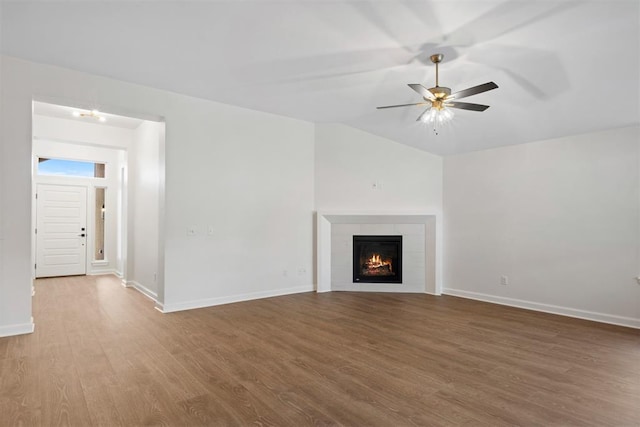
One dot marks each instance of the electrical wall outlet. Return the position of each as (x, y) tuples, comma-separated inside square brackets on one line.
[(504, 280)]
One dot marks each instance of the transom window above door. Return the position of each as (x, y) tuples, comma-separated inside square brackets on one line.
[(61, 167)]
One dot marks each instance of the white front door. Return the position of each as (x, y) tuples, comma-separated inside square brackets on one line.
[(61, 230)]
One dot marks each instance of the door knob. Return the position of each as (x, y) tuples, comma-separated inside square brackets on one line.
[(81, 235)]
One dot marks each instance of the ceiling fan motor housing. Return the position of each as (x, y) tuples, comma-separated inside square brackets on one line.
[(440, 92)]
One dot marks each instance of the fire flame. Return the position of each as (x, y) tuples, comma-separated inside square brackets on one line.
[(376, 262)]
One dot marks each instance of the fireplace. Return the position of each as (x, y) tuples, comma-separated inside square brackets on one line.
[(377, 259)]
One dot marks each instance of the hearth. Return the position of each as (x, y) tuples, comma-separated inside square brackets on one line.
[(377, 259)]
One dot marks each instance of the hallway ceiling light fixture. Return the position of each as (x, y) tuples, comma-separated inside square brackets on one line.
[(94, 114)]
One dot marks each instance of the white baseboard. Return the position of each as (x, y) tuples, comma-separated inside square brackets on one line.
[(547, 308), (142, 289), (19, 329), (102, 272), (209, 302)]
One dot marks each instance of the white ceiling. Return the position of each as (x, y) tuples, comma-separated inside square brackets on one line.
[(563, 67)]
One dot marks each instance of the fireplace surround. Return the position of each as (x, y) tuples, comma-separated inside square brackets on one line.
[(422, 250)]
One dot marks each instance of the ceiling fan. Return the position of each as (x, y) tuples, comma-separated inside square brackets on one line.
[(440, 99)]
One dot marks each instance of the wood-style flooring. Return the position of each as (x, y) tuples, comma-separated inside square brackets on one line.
[(101, 355)]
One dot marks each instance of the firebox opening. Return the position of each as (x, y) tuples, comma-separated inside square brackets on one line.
[(377, 259)]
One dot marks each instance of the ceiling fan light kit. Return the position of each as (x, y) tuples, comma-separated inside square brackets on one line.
[(439, 99)]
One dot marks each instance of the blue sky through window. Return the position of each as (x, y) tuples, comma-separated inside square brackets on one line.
[(66, 168)]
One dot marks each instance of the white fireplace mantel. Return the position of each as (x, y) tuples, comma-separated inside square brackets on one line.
[(433, 241)]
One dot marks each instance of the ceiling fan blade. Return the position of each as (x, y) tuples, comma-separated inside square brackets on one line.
[(466, 106), (402, 105), (472, 91), (423, 91)]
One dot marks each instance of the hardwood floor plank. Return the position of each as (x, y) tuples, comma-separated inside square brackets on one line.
[(100, 404), (61, 397), (20, 402)]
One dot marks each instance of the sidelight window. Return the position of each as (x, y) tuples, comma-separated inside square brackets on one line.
[(99, 224)]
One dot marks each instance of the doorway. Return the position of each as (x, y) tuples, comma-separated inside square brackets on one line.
[(118, 229)]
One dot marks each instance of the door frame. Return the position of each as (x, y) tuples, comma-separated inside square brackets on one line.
[(91, 266)]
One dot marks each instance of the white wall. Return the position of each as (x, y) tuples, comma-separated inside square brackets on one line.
[(143, 206), (349, 161), (246, 173), (558, 217), (15, 228)]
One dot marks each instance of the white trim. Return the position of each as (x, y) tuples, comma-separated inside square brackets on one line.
[(547, 308), (209, 302), (103, 272), (19, 329), (142, 289)]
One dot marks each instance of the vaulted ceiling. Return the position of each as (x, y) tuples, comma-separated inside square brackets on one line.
[(563, 67)]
